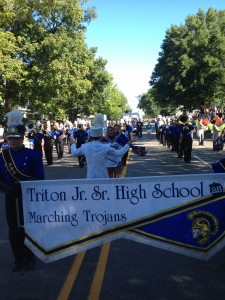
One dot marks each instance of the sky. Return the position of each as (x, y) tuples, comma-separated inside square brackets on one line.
[(129, 34)]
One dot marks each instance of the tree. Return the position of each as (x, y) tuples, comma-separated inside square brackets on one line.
[(56, 73), (190, 68), (12, 69), (115, 102), (146, 102)]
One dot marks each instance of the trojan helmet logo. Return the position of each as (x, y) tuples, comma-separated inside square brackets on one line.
[(204, 225)]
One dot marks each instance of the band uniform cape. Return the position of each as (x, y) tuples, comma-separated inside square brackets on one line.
[(95, 153)]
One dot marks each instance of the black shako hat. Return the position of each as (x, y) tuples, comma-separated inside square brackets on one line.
[(15, 126)]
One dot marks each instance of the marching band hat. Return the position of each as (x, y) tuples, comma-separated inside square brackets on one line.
[(97, 129), (15, 125)]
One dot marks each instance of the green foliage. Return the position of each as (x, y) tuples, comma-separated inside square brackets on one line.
[(146, 102), (190, 68), (45, 62)]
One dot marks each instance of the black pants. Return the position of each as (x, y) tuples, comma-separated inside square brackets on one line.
[(139, 133), (14, 218), (48, 148), (187, 148), (38, 147), (175, 146), (59, 144), (82, 158)]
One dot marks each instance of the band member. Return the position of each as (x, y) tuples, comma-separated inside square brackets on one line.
[(114, 164), (38, 139), (176, 136), (58, 140), (129, 128), (122, 139), (48, 144), (18, 164), (96, 152), (69, 131), (30, 137), (139, 129), (186, 144), (81, 137)]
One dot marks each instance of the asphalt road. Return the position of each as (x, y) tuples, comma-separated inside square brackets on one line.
[(122, 269)]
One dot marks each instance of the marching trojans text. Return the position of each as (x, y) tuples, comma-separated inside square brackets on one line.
[(60, 217)]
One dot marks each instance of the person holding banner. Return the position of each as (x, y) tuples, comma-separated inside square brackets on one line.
[(96, 152), (18, 164)]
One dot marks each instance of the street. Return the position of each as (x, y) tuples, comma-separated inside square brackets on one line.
[(122, 269)]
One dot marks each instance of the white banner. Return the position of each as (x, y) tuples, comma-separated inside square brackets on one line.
[(179, 213)]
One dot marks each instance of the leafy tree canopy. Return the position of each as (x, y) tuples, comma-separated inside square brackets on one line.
[(191, 66), (45, 62)]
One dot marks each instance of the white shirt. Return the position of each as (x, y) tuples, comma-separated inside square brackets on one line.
[(95, 153)]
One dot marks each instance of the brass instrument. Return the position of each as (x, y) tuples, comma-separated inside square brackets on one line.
[(183, 119), (30, 126)]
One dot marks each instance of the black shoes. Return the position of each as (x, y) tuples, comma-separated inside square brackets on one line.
[(18, 265), (26, 265), (29, 264)]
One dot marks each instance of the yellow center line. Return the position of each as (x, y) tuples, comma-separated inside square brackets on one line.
[(71, 277), (99, 273), (101, 265), (125, 167)]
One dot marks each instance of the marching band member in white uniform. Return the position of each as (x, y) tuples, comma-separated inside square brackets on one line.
[(95, 151)]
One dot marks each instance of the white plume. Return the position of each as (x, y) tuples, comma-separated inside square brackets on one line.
[(14, 118), (99, 121), (38, 124)]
